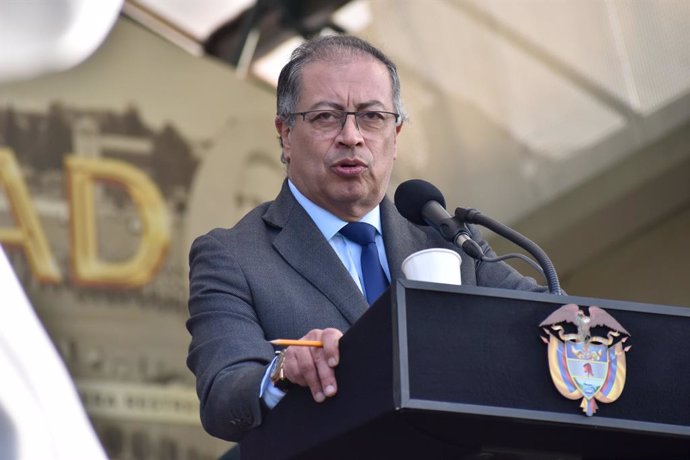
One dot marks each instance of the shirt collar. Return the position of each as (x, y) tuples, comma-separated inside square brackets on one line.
[(328, 223)]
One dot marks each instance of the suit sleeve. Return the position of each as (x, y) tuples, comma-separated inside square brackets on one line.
[(228, 352)]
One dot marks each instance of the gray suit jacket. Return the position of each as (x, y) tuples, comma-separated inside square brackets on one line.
[(274, 275)]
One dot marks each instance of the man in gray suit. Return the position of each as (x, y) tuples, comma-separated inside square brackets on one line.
[(285, 270)]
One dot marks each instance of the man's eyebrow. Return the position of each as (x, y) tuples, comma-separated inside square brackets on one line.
[(371, 104), (325, 105), (368, 105)]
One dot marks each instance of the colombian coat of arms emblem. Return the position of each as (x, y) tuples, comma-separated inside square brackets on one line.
[(583, 365)]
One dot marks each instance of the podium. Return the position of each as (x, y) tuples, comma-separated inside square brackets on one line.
[(436, 371)]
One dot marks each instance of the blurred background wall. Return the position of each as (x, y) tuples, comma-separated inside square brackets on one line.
[(568, 120)]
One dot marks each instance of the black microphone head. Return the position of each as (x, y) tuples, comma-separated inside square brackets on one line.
[(412, 195)]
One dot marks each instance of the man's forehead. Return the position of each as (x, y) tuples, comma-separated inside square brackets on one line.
[(340, 65)]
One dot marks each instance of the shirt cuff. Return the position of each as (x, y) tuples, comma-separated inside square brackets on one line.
[(270, 395)]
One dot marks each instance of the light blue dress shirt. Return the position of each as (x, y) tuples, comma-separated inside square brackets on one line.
[(349, 253)]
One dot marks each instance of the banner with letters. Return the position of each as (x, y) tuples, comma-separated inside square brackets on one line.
[(107, 172)]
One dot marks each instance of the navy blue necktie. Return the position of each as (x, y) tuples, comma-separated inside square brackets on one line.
[(375, 281)]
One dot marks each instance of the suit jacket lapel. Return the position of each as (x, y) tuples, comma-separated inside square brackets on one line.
[(303, 246), (400, 237)]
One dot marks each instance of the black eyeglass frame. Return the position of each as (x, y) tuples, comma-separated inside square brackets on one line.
[(346, 114)]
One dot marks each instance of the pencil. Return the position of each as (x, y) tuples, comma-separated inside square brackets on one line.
[(299, 343)]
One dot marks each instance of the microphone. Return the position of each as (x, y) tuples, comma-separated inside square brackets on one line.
[(422, 203)]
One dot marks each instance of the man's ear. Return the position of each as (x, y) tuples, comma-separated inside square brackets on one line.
[(283, 135), (398, 128), (283, 129)]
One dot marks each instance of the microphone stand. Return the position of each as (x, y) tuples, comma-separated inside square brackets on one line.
[(473, 216)]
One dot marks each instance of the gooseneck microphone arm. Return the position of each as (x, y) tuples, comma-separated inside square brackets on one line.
[(473, 216), (435, 215)]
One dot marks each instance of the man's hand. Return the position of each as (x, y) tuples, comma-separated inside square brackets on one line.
[(314, 367)]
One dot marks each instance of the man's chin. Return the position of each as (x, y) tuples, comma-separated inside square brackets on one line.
[(357, 202)]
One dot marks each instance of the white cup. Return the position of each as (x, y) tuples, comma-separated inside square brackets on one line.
[(435, 265)]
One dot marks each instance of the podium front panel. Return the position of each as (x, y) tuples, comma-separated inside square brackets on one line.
[(450, 372), (477, 352)]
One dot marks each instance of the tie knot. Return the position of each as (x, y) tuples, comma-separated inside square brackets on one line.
[(359, 232)]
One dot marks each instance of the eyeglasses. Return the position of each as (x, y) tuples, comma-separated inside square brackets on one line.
[(330, 122)]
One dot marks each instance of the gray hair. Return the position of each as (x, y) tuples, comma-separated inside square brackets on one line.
[(323, 48)]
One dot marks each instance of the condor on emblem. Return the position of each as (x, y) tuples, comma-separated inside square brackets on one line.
[(583, 365)]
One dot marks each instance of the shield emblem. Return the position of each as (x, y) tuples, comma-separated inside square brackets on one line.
[(583, 365), (587, 365)]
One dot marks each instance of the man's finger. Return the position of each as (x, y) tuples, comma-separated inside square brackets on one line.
[(300, 369), (331, 339), (326, 374)]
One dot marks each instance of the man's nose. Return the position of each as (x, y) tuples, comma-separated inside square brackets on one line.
[(350, 133)]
